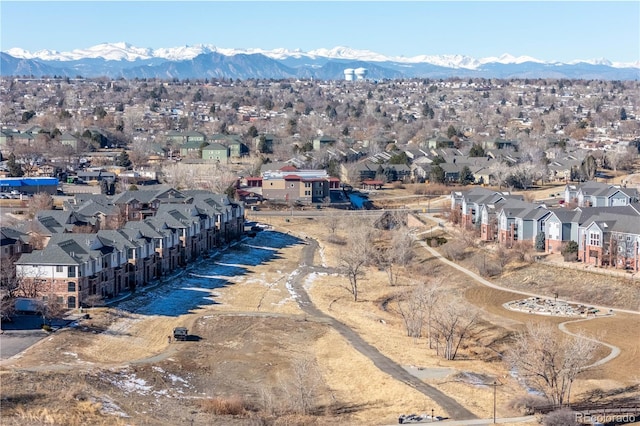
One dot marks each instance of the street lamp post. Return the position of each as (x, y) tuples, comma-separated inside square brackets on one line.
[(495, 386)]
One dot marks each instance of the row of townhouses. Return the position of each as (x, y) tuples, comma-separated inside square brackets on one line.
[(605, 223), (100, 246)]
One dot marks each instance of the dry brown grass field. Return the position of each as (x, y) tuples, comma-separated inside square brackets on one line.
[(117, 367)]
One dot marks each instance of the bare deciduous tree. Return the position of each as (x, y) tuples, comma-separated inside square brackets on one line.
[(417, 306), (305, 385), (356, 255), (549, 363), (40, 201), (453, 322)]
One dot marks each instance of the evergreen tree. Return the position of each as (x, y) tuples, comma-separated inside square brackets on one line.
[(588, 168), (466, 177), (476, 151), (437, 174), (438, 160), (15, 169), (623, 114), (252, 132), (123, 160), (399, 158), (451, 131), (540, 241)]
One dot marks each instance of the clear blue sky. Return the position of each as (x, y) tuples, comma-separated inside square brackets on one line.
[(545, 30)]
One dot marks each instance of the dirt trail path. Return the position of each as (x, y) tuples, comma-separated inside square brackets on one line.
[(450, 405)]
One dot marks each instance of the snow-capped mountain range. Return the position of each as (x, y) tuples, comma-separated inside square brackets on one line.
[(126, 52), (122, 60)]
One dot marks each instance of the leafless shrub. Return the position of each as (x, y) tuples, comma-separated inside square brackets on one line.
[(225, 406), (332, 222), (40, 201), (455, 216), (523, 251), (525, 404), (301, 388), (486, 266), (270, 403), (336, 239), (561, 417), (416, 307), (93, 300), (454, 250), (503, 256)]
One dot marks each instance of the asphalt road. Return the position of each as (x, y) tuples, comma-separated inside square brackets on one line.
[(451, 406)]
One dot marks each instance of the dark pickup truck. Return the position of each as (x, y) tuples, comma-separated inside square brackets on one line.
[(180, 333)]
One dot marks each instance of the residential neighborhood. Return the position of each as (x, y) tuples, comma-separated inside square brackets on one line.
[(307, 231)]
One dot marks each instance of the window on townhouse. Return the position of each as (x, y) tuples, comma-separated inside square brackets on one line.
[(594, 239), (59, 268), (71, 272), (71, 287)]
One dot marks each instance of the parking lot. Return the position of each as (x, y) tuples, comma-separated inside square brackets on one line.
[(20, 334)]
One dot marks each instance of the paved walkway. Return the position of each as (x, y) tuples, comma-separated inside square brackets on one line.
[(615, 351), (385, 364), (488, 283)]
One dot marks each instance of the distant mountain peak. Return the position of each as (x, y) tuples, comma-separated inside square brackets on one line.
[(121, 59), (124, 51)]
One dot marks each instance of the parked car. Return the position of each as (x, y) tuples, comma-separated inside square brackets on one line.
[(180, 333)]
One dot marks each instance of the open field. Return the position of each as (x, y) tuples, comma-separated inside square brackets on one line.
[(248, 333)]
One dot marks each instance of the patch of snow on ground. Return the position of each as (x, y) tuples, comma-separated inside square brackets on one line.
[(175, 379), (308, 282), (191, 290), (322, 256), (289, 284), (108, 407), (129, 383)]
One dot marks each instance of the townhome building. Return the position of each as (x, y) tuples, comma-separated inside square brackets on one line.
[(599, 194), (612, 240), (564, 225), (168, 246), (469, 202), (13, 242), (74, 266), (71, 268), (520, 221)]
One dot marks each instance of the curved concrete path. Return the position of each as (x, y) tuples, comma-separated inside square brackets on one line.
[(615, 351), (451, 406), (487, 283)]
